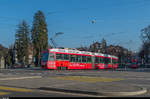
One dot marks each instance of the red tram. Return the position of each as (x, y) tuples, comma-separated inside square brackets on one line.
[(134, 63), (75, 59)]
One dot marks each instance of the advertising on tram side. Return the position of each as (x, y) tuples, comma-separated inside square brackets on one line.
[(62, 59)]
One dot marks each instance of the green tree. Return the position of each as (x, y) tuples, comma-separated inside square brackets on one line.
[(9, 56), (23, 42), (145, 36), (39, 35)]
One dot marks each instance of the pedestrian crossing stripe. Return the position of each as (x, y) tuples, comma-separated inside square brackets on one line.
[(15, 89), (4, 93)]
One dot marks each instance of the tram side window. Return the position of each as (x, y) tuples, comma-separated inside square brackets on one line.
[(45, 57), (73, 58), (51, 56), (96, 59), (78, 58), (101, 60), (89, 59), (59, 56), (107, 60), (114, 61), (66, 57), (84, 59)]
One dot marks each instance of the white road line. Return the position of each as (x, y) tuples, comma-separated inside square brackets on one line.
[(20, 78)]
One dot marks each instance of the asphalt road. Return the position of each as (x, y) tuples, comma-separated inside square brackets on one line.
[(31, 78), (32, 93)]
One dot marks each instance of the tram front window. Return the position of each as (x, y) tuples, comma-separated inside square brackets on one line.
[(45, 57), (51, 57)]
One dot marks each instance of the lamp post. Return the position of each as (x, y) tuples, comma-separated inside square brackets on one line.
[(52, 38)]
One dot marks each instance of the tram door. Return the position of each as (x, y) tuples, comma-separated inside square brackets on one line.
[(93, 62)]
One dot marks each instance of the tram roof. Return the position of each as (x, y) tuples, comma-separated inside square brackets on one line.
[(80, 52), (71, 51)]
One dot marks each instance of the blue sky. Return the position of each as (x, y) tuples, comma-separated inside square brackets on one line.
[(123, 18)]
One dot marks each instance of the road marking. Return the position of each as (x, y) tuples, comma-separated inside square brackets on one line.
[(15, 89), (61, 85), (4, 93), (21, 78), (88, 79)]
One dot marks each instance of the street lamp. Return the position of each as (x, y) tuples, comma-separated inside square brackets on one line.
[(52, 38)]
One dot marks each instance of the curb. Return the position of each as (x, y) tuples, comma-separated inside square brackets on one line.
[(142, 91), (67, 90)]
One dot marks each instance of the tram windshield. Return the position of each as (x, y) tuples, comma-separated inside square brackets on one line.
[(45, 57)]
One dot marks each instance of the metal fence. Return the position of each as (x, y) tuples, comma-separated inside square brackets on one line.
[(141, 68)]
